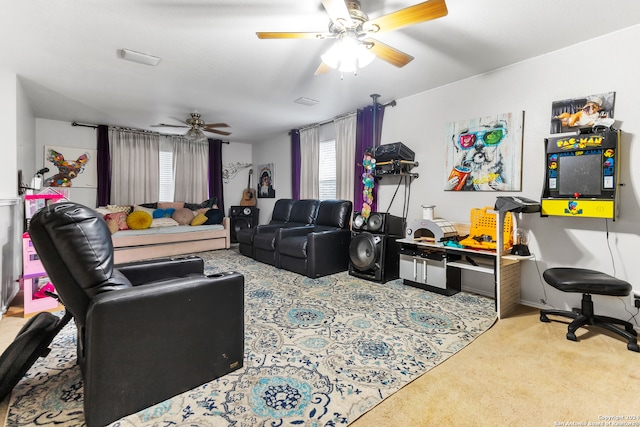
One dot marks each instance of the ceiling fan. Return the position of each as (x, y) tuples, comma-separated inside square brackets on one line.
[(197, 126), (352, 27)]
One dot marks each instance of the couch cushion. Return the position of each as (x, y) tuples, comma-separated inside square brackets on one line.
[(304, 211), (163, 212), (214, 216), (266, 241), (199, 219), (120, 218), (144, 209), (281, 211), (334, 213), (183, 216), (167, 205), (139, 220)]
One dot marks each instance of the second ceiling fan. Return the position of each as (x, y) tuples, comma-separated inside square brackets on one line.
[(353, 29), (198, 126)]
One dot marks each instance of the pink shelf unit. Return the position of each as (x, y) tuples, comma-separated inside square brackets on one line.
[(31, 304), (31, 265), (33, 278)]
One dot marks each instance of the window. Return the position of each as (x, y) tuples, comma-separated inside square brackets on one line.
[(167, 185), (327, 173)]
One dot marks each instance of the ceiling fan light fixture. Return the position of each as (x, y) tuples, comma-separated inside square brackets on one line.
[(195, 134), (348, 55)]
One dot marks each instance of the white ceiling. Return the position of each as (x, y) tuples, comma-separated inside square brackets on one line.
[(66, 54)]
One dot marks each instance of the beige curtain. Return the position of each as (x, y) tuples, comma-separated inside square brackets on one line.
[(345, 155), (309, 162), (190, 166), (134, 166)]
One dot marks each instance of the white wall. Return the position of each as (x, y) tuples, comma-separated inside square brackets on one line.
[(9, 125), (26, 135), (276, 150), (597, 66), (232, 154)]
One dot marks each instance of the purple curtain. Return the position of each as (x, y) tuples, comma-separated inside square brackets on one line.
[(104, 166), (368, 132), (215, 171), (295, 164)]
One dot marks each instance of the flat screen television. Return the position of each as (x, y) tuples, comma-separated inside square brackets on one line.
[(580, 174)]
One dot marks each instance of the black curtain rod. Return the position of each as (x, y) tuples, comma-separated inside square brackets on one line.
[(324, 122), (163, 134), (83, 125)]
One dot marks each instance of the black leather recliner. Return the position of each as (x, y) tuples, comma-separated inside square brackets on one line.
[(279, 216), (303, 212), (146, 331), (320, 249)]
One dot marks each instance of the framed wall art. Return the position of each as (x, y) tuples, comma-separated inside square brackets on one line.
[(484, 154), (70, 167), (266, 180), (584, 112)]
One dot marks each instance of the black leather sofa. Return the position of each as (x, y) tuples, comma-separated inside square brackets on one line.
[(279, 216), (147, 331), (313, 241)]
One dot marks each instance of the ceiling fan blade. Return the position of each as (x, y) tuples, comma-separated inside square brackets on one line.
[(421, 12), (219, 132), (276, 35), (164, 125), (338, 12), (387, 53), (322, 69), (216, 125)]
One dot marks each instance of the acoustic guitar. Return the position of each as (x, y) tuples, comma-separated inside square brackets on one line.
[(249, 194)]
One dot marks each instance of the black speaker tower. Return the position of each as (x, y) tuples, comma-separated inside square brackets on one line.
[(374, 251), (242, 217)]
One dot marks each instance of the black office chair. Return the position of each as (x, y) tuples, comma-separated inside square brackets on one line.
[(589, 282)]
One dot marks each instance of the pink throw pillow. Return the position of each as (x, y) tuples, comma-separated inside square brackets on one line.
[(120, 218)]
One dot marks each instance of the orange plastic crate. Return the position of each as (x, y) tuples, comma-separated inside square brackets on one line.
[(483, 226)]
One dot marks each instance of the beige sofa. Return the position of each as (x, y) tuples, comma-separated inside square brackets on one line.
[(136, 245)]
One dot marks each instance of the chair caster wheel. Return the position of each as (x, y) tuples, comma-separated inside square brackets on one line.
[(544, 318), (633, 346), (571, 336)]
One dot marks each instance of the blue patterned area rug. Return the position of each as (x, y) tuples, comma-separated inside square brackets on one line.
[(317, 353)]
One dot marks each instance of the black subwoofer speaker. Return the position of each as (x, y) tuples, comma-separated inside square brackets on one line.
[(242, 217), (378, 223), (374, 257)]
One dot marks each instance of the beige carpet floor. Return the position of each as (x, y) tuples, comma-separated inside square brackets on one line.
[(521, 372)]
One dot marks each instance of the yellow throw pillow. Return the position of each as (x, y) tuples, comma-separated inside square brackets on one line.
[(139, 220), (199, 219)]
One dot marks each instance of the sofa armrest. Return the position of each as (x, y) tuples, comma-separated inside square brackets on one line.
[(151, 342), (328, 250), (160, 269), (269, 228), (283, 233)]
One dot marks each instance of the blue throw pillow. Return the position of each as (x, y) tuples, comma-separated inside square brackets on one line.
[(163, 213)]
